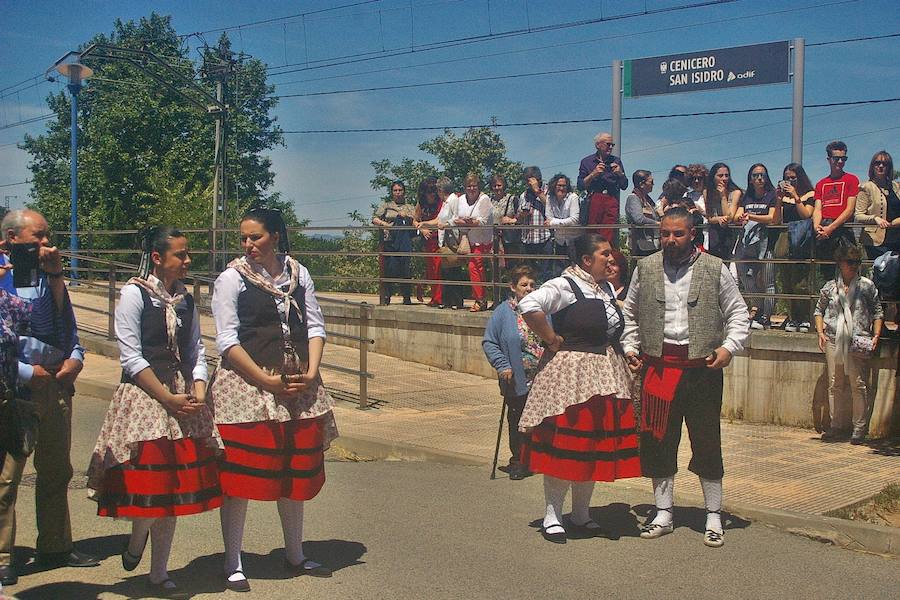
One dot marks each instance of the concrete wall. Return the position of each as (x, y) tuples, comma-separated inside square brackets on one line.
[(777, 380)]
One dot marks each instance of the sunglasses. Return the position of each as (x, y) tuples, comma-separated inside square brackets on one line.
[(790, 179), (758, 176), (838, 158), (880, 163), (696, 179), (609, 144)]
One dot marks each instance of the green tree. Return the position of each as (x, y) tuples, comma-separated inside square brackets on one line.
[(479, 150), (145, 153)]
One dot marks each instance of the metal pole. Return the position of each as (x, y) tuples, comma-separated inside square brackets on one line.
[(217, 179), (111, 304), (797, 111), (617, 105), (74, 88), (363, 356)]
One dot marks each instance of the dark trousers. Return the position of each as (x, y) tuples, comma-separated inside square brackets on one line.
[(514, 407), (396, 267), (541, 265), (697, 402)]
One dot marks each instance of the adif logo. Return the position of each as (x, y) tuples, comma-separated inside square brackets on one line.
[(663, 67), (745, 75)]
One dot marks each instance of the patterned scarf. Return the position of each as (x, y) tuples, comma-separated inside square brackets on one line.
[(843, 329), (243, 266), (579, 273), (156, 289)]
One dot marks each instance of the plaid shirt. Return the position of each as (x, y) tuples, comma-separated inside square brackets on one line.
[(537, 217)]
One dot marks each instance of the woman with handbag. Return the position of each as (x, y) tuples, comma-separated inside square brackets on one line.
[(849, 318), (795, 241), (640, 210), (271, 408), (155, 457), (396, 213), (515, 352), (579, 414)]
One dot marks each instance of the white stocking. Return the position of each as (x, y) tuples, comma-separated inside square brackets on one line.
[(712, 497), (140, 527), (161, 534), (664, 493), (291, 513), (233, 515), (555, 491), (581, 501)]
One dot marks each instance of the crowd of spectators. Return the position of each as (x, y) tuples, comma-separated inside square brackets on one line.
[(479, 231)]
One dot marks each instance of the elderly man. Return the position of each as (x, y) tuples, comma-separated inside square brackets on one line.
[(684, 320), (602, 176), (50, 360)]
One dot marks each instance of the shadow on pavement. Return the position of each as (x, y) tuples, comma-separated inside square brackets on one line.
[(101, 547)]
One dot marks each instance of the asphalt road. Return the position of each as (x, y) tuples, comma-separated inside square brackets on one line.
[(419, 530)]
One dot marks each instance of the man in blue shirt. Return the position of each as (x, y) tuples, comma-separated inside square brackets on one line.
[(50, 359)]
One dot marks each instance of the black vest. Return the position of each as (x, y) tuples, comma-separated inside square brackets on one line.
[(583, 325), (155, 340), (260, 326)]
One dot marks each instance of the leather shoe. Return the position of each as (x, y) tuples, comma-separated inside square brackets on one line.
[(8, 575), (73, 558)]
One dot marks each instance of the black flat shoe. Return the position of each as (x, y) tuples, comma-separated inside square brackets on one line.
[(302, 569), (557, 537), (129, 561), (586, 530), (241, 585), (8, 575), (166, 589), (72, 558)]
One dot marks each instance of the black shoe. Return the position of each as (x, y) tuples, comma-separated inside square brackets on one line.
[(73, 558), (829, 436), (857, 440), (586, 530), (556, 538), (302, 569), (407, 302), (506, 468), (130, 561), (166, 589), (241, 585), (519, 472), (8, 575)]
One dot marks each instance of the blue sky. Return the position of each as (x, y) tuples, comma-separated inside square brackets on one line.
[(327, 175)]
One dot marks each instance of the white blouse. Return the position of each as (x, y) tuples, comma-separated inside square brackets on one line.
[(481, 211), (128, 334), (230, 284)]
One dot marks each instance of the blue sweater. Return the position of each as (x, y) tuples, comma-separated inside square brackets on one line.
[(503, 346)]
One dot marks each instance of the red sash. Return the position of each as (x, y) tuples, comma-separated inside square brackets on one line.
[(660, 382)]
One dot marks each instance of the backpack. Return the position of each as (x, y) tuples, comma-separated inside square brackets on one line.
[(886, 275)]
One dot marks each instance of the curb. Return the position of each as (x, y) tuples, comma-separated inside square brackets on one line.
[(853, 535)]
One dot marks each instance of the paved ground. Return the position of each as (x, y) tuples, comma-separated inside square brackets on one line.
[(423, 530)]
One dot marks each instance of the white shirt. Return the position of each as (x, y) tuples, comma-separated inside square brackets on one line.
[(481, 211), (128, 334), (556, 294), (562, 214), (225, 299), (675, 327)]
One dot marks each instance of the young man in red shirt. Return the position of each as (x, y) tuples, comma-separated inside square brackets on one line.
[(835, 205)]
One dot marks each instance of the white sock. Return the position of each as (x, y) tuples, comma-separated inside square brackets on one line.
[(233, 515), (161, 535), (140, 527), (664, 493), (291, 513), (581, 501), (712, 497), (555, 491)]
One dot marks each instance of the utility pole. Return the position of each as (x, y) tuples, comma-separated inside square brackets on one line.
[(220, 71)]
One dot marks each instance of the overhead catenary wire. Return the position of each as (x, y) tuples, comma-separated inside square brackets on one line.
[(600, 120)]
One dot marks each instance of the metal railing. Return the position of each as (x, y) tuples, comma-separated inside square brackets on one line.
[(374, 251), (116, 271)]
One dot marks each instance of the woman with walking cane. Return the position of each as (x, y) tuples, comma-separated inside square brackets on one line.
[(514, 351)]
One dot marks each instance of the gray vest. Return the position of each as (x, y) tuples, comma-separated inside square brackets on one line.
[(705, 320)]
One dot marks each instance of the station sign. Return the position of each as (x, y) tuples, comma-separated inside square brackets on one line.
[(725, 68)]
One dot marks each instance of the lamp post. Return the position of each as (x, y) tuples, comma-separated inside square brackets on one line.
[(69, 66)]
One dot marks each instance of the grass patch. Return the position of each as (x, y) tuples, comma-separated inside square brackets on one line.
[(881, 509)]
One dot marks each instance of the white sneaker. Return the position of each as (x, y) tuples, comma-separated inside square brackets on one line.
[(804, 327), (651, 531), (790, 325), (713, 539)]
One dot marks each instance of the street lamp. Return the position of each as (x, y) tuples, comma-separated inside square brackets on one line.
[(69, 67)]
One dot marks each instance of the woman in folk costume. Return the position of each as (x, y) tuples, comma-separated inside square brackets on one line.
[(271, 407), (579, 409), (155, 458)]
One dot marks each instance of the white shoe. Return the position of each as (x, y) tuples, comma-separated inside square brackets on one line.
[(651, 531), (804, 327), (790, 325), (713, 539)]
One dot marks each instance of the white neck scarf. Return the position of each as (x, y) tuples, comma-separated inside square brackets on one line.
[(844, 326), (156, 289)]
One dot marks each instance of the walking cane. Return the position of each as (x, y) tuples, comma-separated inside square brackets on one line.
[(499, 434)]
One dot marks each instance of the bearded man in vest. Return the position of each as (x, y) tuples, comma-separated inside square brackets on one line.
[(684, 320)]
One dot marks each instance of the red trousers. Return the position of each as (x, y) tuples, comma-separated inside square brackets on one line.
[(433, 270), (604, 210), (476, 269)]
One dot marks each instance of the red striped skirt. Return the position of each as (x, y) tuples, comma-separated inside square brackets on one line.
[(592, 441), (269, 460), (167, 478)]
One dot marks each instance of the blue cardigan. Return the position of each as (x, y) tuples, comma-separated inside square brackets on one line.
[(503, 347)]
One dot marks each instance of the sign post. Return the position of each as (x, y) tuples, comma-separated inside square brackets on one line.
[(797, 108), (617, 105)]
